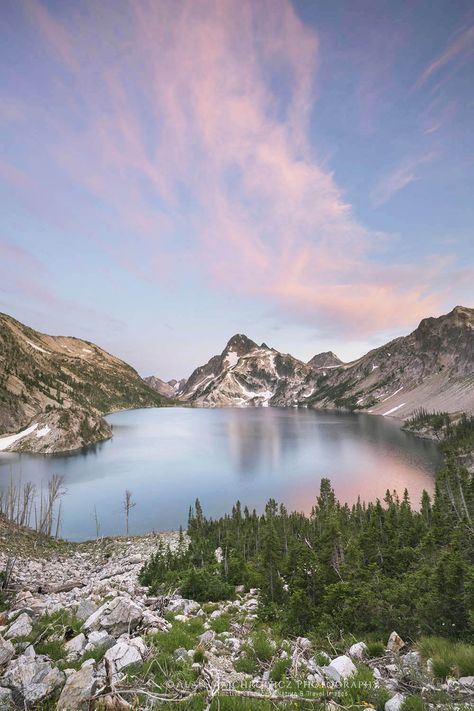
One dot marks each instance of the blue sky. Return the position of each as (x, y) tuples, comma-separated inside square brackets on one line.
[(173, 173)]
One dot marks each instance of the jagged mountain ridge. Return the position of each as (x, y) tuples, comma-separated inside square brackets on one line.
[(433, 367), (63, 385), (170, 388), (247, 374)]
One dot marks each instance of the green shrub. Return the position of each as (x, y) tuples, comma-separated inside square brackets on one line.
[(246, 665), (413, 703), (375, 649), (279, 669), (199, 655), (181, 634), (220, 624), (206, 585), (262, 646), (358, 688)]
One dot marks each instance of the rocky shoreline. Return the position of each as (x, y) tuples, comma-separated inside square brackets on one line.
[(79, 630)]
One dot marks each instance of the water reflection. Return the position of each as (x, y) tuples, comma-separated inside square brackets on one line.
[(169, 457)]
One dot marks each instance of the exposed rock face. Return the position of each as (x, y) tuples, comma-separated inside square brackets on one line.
[(430, 368), (340, 668), (395, 643), (246, 374), (358, 650), (328, 359), (171, 388), (63, 386), (6, 699), (21, 627), (32, 679), (7, 651), (77, 691), (433, 368), (116, 617), (395, 703), (76, 645), (124, 654)]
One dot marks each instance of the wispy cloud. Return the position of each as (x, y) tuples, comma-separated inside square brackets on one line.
[(402, 176), (459, 50), (188, 123)]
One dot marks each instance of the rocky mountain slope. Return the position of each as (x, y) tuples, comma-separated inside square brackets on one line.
[(433, 367), (248, 374), (328, 359), (170, 388), (58, 388)]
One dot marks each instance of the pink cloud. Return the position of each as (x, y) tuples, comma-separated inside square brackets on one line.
[(179, 99), (398, 179)]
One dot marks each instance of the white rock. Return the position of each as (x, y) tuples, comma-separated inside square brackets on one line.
[(467, 681), (395, 642), (125, 653), (182, 605), (29, 651), (304, 643), (79, 687), (102, 639), (6, 699), (151, 619), (32, 679), (7, 651), (358, 650), (181, 618), (93, 621), (118, 616), (86, 609), (20, 628), (411, 661), (234, 643), (395, 703), (340, 668), (76, 645)]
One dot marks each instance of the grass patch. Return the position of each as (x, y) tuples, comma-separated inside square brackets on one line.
[(449, 658), (209, 607), (358, 688), (279, 669), (375, 649), (262, 646), (220, 624), (51, 631), (246, 665), (199, 655), (414, 703), (96, 654), (182, 634)]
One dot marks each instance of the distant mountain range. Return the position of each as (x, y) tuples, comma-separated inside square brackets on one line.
[(433, 368), (58, 388)]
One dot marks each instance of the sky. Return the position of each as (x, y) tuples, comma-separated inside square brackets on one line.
[(172, 173)]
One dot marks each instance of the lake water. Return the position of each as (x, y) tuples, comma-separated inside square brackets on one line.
[(168, 457)]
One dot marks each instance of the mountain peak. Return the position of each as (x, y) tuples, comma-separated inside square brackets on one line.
[(327, 359), (240, 344)]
